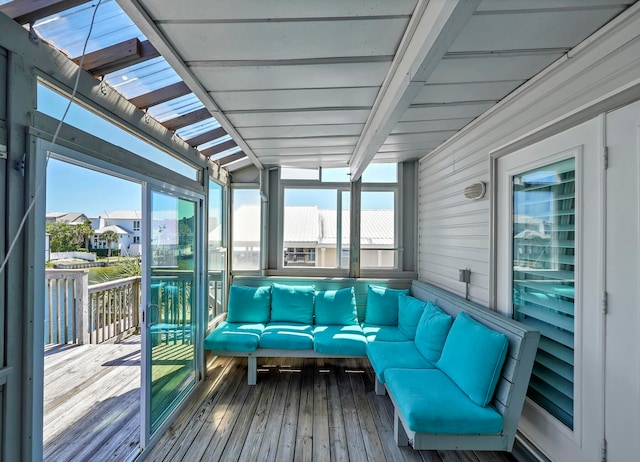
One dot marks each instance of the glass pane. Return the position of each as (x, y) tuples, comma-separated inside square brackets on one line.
[(380, 173), (377, 230), (310, 227), (245, 224), (217, 251), (544, 278), (173, 296), (288, 173), (336, 175), (346, 229)]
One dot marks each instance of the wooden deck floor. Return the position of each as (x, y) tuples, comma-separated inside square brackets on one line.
[(92, 401), (301, 409)]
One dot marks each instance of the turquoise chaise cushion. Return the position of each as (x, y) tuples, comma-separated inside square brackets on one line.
[(339, 340), (287, 336), (249, 304), (432, 331), (234, 337), (395, 355), (292, 303), (472, 357), (336, 307), (382, 305), (409, 311), (432, 403), (376, 333)]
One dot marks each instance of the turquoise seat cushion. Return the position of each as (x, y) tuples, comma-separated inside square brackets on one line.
[(472, 357), (336, 307), (287, 336), (249, 304), (395, 355), (292, 303), (432, 331), (339, 340), (234, 337), (382, 305), (409, 311), (431, 403), (376, 333)]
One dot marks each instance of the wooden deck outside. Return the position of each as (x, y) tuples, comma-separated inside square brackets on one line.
[(92, 401), (301, 409)]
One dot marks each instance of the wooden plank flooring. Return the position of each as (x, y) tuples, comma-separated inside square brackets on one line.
[(91, 401), (300, 409)]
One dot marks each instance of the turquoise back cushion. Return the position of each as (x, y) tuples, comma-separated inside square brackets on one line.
[(409, 312), (382, 305), (432, 331), (292, 303), (249, 304), (472, 357), (336, 307)]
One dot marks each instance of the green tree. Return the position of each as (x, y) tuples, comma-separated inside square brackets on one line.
[(83, 232), (62, 237), (110, 236)]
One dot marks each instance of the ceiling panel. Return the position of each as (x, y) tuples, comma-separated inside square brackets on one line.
[(295, 99), (238, 10), (298, 118), (290, 131), (284, 77), (419, 137), (452, 92), (258, 41), (431, 125), (409, 146), (530, 30), (303, 142), (510, 5), (489, 68), (308, 151), (449, 111)]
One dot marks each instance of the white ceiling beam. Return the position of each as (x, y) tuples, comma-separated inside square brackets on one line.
[(139, 16), (434, 26)]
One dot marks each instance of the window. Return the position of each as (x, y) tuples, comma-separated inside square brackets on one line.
[(216, 251), (136, 239), (136, 225), (245, 222), (543, 245), (377, 230)]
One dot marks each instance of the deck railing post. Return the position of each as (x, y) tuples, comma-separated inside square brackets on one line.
[(136, 304), (82, 306)]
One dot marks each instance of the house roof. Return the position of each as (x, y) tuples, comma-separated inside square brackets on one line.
[(117, 229), (67, 217), (123, 215)]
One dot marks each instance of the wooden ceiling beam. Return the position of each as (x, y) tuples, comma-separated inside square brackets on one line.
[(29, 11), (218, 148), (232, 158), (161, 95), (187, 119), (207, 136), (118, 56)]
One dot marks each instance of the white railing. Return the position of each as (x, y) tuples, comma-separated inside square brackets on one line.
[(78, 313)]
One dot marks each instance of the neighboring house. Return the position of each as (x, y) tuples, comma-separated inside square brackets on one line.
[(126, 224), (73, 218)]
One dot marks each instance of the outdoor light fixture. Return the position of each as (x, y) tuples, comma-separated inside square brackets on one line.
[(475, 191)]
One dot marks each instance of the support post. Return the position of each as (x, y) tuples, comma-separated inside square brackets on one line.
[(82, 307), (252, 370), (399, 434), (379, 387), (354, 238)]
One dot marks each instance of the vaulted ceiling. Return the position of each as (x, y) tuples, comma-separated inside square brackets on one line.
[(334, 83)]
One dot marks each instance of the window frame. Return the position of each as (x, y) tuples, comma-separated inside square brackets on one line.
[(233, 187)]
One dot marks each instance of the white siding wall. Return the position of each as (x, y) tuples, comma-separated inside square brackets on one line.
[(455, 232)]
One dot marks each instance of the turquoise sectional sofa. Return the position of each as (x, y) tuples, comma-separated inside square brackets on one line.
[(456, 372)]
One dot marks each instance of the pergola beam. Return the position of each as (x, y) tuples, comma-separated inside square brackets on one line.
[(161, 95), (187, 119), (433, 28), (118, 56), (207, 136), (218, 148), (232, 158), (29, 11)]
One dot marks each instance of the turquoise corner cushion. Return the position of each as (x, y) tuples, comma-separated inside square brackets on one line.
[(376, 333), (432, 331), (472, 357), (395, 355), (382, 305), (409, 311), (249, 304), (287, 336), (339, 340), (234, 337), (292, 303), (336, 307), (431, 403)]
